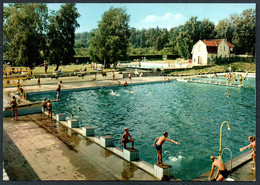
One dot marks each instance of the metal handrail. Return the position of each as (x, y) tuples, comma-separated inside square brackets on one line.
[(230, 157), (220, 137)]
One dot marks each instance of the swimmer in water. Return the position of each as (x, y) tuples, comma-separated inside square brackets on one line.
[(164, 80), (79, 109), (132, 92), (149, 93), (118, 83), (158, 145), (240, 79), (112, 92), (228, 95)]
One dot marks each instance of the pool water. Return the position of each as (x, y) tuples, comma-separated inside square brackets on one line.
[(191, 113)]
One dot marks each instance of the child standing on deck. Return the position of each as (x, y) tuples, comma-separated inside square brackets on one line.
[(49, 109), (252, 145), (14, 108), (44, 106)]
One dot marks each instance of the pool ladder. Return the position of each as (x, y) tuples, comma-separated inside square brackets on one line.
[(230, 157)]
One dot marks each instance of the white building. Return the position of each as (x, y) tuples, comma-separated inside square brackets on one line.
[(204, 50)]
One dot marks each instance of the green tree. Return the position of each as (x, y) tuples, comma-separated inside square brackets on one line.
[(109, 42), (183, 45), (224, 29), (191, 32), (162, 40), (24, 33), (244, 31), (61, 35)]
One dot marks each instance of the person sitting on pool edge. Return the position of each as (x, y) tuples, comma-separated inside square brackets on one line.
[(222, 170), (158, 146), (125, 138)]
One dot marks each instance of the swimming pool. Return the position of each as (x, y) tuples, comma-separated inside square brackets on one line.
[(191, 113)]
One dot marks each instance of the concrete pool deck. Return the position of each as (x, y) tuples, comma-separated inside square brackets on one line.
[(52, 158), (49, 151)]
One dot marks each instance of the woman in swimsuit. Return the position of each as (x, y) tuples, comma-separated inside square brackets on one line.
[(252, 145), (58, 89), (14, 108), (158, 146)]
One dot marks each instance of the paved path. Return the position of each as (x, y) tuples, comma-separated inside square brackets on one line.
[(58, 153)]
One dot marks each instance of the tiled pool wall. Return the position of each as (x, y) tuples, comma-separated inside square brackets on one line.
[(34, 109)]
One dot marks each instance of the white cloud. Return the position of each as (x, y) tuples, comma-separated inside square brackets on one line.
[(165, 17), (168, 20)]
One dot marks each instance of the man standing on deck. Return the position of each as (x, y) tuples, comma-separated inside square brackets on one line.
[(58, 90), (222, 170)]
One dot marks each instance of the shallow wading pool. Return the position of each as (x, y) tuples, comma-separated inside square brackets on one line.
[(191, 113)]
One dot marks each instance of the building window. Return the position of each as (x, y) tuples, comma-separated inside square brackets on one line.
[(225, 56), (220, 48), (212, 56), (224, 48), (231, 49)]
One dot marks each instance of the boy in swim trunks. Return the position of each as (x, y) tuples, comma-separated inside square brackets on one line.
[(158, 146), (222, 170), (49, 109), (125, 138), (14, 108)]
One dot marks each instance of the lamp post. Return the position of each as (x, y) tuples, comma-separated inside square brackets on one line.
[(220, 138)]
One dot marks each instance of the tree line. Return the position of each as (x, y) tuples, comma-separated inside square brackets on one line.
[(239, 29), (32, 34)]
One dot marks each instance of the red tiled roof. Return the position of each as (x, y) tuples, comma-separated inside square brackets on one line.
[(215, 43)]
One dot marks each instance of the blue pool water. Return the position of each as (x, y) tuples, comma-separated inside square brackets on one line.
[(191, 113)]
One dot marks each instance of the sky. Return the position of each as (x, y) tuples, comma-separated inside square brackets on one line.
[(151, 15)]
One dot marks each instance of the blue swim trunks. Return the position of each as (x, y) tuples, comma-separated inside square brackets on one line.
[(158, 147)]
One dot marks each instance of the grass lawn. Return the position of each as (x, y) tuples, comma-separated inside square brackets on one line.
[(65, 69), (236, 66)]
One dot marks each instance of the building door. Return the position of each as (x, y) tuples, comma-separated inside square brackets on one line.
[(199, 59)]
